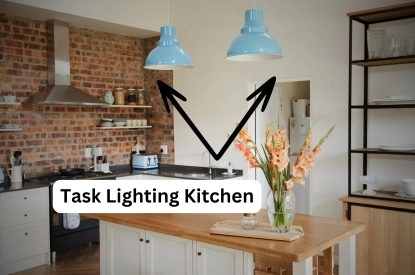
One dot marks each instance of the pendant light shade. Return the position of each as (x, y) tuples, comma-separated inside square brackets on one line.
[(254, 43), (168, 55)]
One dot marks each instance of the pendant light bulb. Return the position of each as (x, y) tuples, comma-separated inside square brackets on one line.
[(254, 43), (168, 55)]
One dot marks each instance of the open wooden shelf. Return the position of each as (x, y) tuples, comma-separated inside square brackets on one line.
[(385, 61), (10, 130), (128, 106), (121, 127), (384, 152), (11, 103)]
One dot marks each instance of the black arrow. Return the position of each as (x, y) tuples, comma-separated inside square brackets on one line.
[(263, 92)]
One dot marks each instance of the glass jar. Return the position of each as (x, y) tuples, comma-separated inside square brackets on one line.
[(119, 96), (140, 99), (249, 221), (131, 97)]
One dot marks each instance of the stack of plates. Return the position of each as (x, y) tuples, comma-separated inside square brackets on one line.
[(9, 126), (393, 100), (106, 122), (402, 147)]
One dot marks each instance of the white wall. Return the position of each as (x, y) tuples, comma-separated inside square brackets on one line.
[(314, 39)]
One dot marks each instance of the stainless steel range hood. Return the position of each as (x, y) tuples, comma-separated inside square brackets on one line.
[(59, 91)]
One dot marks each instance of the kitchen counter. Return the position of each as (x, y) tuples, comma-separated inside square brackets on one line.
[(164, 170), (24, 186), (175, 171), (319, 233)]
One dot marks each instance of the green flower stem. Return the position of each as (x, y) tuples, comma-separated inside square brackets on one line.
[(280, 216)]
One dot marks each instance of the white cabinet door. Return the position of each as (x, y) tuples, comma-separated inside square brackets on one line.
[(25, 240), (168, 255), (213, 259), (125, 249)]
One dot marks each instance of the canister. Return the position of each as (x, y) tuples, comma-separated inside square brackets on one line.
[(119, 96)]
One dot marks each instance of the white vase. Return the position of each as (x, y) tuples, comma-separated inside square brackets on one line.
[(281, 210)]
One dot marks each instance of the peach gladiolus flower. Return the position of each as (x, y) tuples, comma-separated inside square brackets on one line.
[(273, 158)]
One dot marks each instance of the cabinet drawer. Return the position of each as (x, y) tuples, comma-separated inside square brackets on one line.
[(23, 198), (22, 241), (22, 215)]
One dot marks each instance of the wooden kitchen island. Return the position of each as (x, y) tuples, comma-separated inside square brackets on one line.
[(125, 237)]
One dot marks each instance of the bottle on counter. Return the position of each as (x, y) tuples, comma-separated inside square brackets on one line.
[(105, 160), (230, 169)]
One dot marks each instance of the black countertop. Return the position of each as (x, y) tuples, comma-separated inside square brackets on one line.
[(164, 170)]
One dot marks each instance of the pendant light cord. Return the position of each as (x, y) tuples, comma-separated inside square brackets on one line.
[(168, 12), (254, 4)]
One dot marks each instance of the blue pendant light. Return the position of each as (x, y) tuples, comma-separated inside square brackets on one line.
[(254, 43), (168, 55)]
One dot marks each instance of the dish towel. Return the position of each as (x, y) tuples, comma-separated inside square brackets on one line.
[(71, 220), (263, 231)]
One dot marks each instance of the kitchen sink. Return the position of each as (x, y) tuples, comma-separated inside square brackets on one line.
[(196, 175)]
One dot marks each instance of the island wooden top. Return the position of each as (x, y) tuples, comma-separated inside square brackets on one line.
[(319, 233)]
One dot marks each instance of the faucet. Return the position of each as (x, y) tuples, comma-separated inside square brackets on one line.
[(210, 165)]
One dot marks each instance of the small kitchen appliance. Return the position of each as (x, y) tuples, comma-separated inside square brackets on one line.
[(145, 161)]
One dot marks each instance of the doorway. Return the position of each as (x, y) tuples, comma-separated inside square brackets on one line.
[(279, 110)]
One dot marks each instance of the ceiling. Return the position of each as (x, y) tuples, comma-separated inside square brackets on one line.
[(73, 20)]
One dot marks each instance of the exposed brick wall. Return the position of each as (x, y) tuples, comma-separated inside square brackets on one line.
[(55, 137), (163, 126)]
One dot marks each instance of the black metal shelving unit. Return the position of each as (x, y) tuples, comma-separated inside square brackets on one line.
[(367, 18)]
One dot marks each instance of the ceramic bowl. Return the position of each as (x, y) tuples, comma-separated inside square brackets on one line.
[(119, 123), (119, 120), (106, 120), (408, 186), (106, 124)]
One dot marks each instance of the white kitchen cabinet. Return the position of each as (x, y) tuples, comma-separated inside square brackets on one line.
[(214, 259), (24, 229), (167, 254), (124, 249), (129, 250)]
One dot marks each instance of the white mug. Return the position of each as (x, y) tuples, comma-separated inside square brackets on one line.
[(15, 174), (144, 122), (129, 122)]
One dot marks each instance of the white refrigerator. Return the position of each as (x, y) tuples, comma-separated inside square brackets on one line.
[(299, 127)]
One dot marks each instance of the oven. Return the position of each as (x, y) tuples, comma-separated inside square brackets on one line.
[(88, 229)]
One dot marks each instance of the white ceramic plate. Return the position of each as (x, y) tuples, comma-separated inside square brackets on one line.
[(106, 124), (394, 100), (226, 174), (404, 195), (403, 147)]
